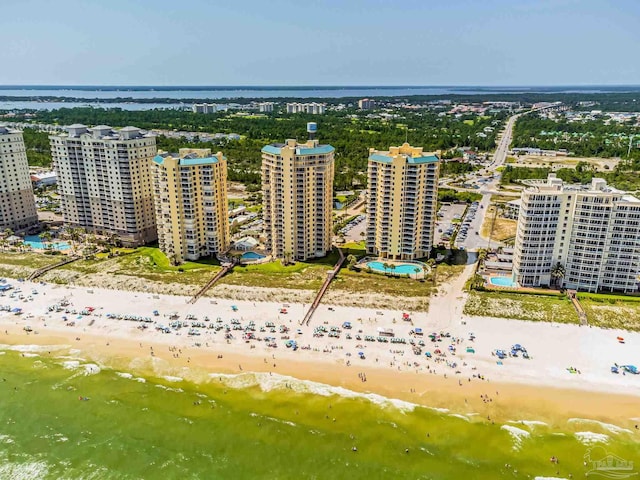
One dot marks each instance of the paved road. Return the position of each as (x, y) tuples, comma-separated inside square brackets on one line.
[(473, 241)]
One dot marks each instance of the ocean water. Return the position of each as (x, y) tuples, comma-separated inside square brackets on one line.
[(252, 426)]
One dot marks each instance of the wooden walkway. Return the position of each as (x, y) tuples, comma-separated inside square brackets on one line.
[(225, 269), (43, 270), (331, 274), (582, 316)]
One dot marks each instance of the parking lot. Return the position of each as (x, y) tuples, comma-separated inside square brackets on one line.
[(466, 226), (445, 225), (352, 230)]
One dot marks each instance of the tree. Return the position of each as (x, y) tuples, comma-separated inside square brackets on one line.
[(482, 255), (46, 239), (417, 271), (557, 273), (351, 259), (392, 267)]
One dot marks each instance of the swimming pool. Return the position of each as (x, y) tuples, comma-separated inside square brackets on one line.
[(502, 281), (252, 256), (34, 241), (400, 268)]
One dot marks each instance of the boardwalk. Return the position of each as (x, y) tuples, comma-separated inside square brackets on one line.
[(330, 276), (225, 269), (43, 270)]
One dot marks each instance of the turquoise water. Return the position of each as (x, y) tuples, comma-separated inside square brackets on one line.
[(502, 281), (146, 426), (252, 256), (36, 242), (402, 268)]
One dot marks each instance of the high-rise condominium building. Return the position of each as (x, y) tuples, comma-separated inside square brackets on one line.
[(17, 203), (592, 231), (265, 107), (104, 181), (402, 202), (312, 108), (366, 104), (297, 187), (190, 193)]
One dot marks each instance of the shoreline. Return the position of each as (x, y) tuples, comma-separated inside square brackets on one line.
[(527, 388)]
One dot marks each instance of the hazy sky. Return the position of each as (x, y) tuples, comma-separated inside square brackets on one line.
[(320, 42)]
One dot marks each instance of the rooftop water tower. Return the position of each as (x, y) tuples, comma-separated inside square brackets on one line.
[(312, 128)]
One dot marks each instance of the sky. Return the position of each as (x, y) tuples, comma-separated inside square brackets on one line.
[(320, 42)]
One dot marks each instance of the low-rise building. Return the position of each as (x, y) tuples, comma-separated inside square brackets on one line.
[(44, 179)]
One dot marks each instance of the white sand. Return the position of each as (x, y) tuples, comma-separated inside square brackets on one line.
[(553, 347)]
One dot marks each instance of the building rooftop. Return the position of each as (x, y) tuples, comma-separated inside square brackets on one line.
[(189, 157), (105, 132), (555, 184), (412, 155), (311, 147), (4, 130)]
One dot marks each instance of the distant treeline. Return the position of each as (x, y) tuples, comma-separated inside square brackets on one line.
[(624, 101), (351, 137)]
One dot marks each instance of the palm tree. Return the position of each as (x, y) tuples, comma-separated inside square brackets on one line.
[(7, 232), (351, 259), (392, 267), (482, 254), (557, 273), (417, 270), (385, 265), (46, 239)]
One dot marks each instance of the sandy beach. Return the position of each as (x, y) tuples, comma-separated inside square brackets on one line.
[(459, 380)]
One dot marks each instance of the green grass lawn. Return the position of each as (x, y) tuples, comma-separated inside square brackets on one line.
[(354, 248), (353, 281), (301, 275), (19, 265), (148, 263), (545, 308), (611, 311)]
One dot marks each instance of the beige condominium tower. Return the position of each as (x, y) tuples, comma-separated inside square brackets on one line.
[(104, 181), (190, 194), (17, 203), (402, 202), (297, 187), (582, 237)]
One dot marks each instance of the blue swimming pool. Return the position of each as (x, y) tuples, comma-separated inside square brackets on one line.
[(502, 282), (401, 268), (252, 256), (34, 241)]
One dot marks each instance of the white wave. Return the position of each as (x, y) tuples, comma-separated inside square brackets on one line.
[(29, 354), (588, 438), (439, 410), (529, 423), (6, 439), (462, 417), (169, 378), (170, 389), (124, 375), (33, 348), (273, 419), (71, 364), (140, 379), (3, 353), (268, 383), (91, 369), (550, 478), (23, 471), (517, 434), (607, 426)]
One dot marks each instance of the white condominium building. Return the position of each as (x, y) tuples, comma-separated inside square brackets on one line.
[(190, 193), (592, 231), (402, 202), (312, 108), (297, 188), (104, 181), (17, 203)]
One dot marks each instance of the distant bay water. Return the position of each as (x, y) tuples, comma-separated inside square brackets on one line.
[(131, 97)]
